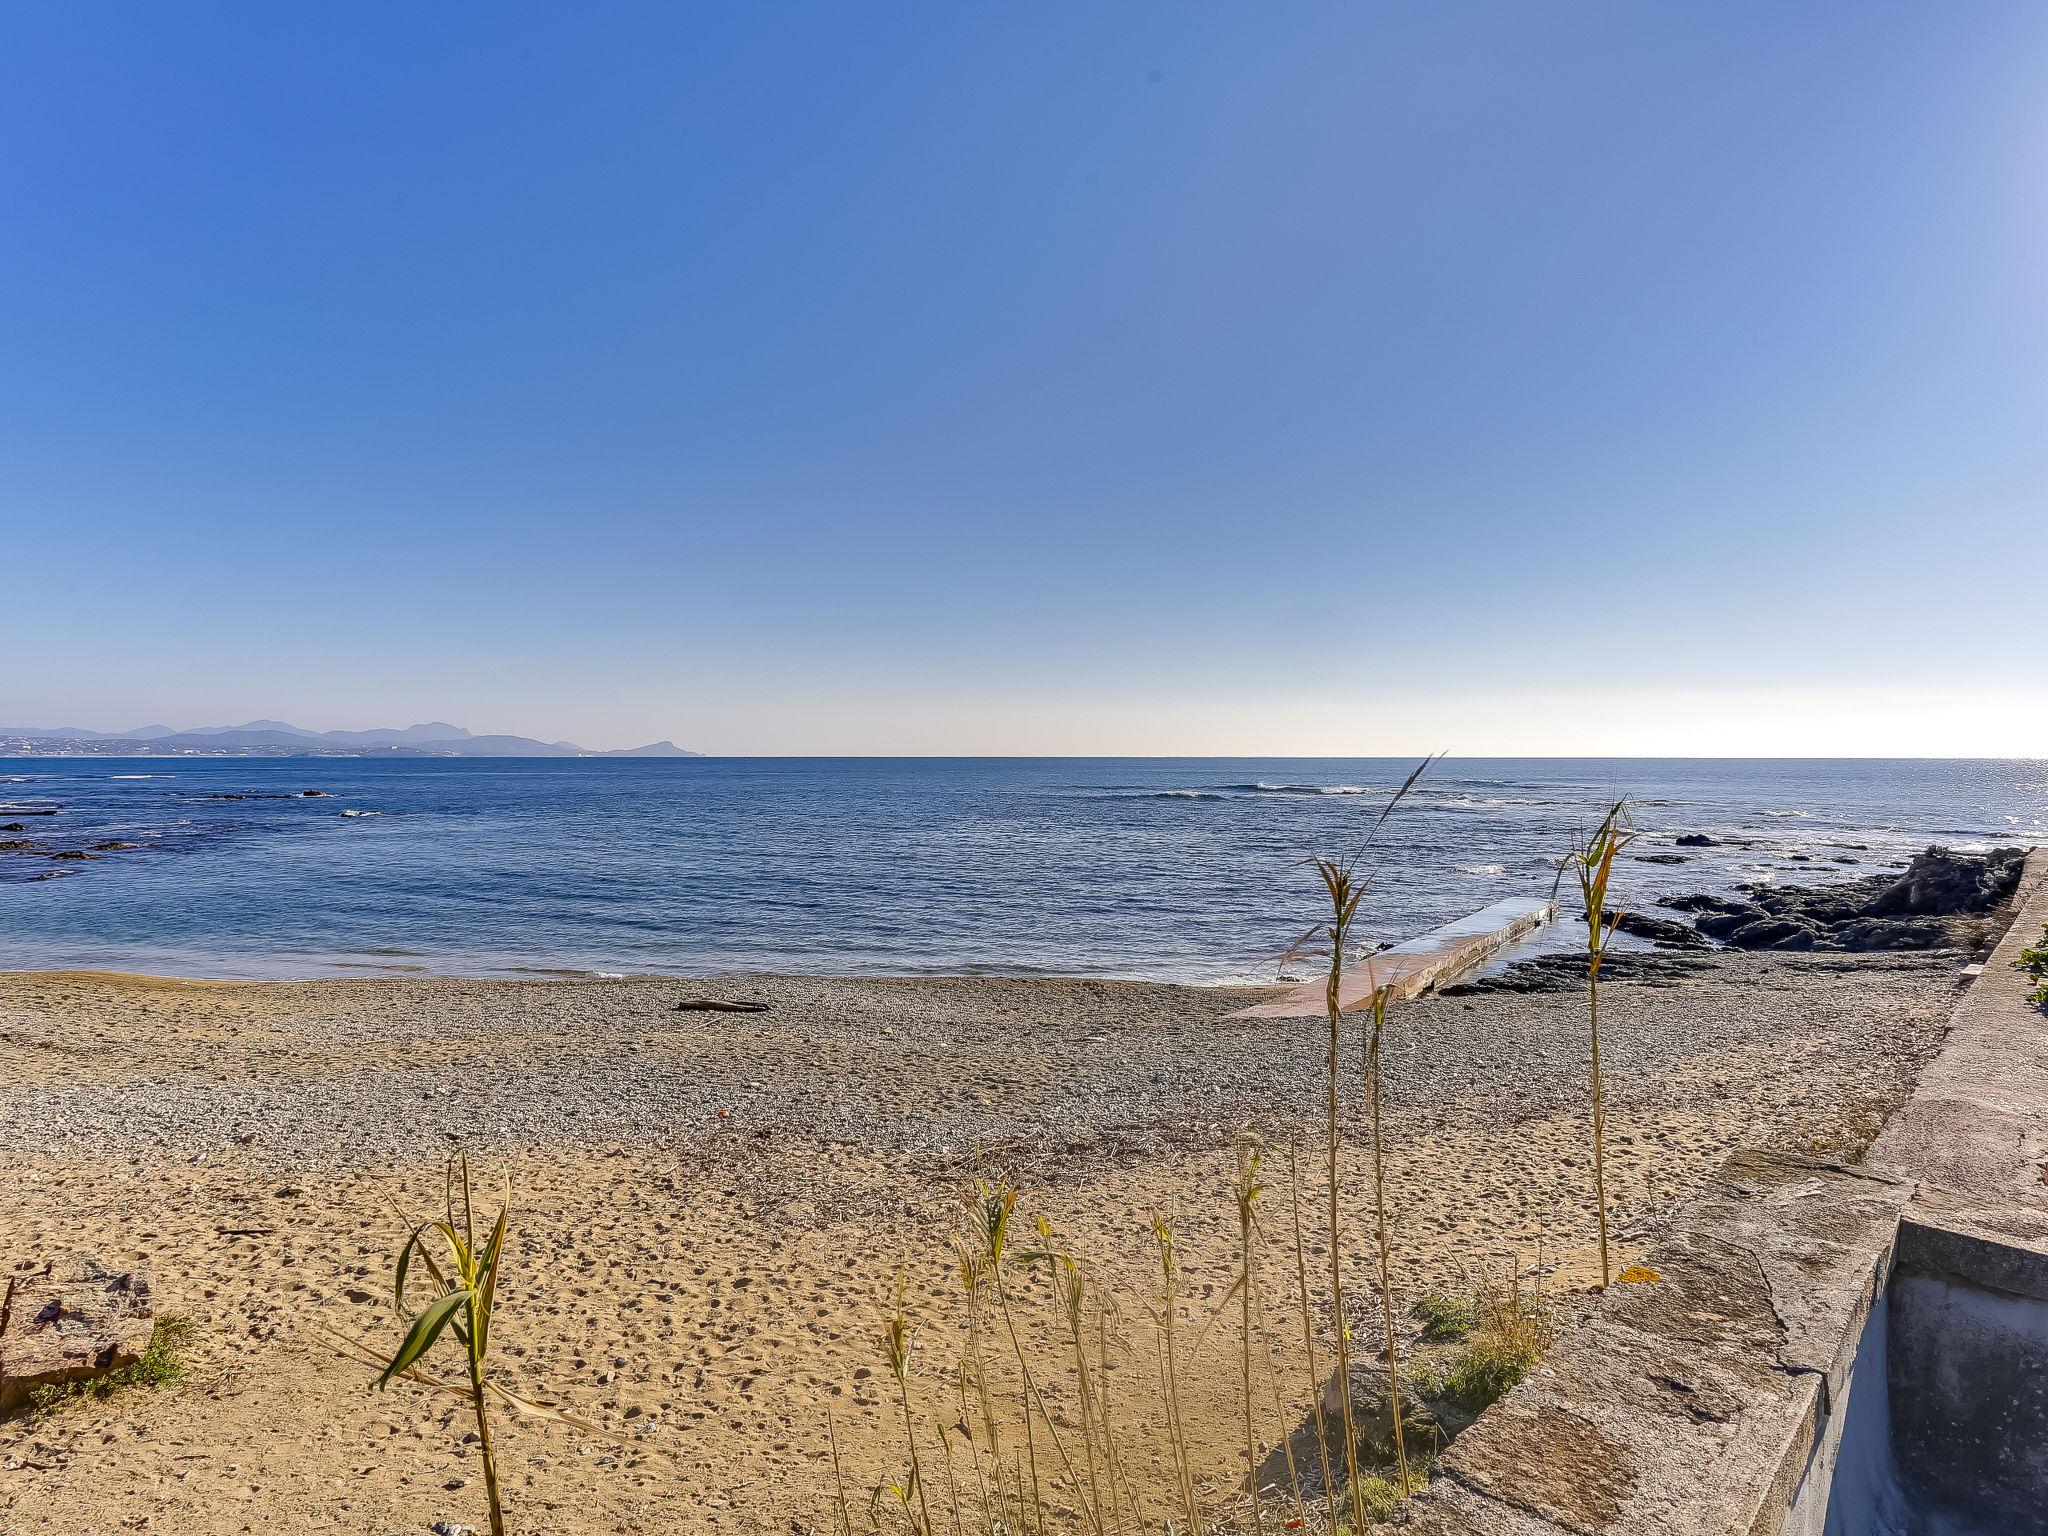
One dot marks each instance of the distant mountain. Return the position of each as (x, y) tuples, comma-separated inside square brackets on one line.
[(278, 738)]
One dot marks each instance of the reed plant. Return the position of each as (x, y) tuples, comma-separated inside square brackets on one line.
[(1167, 1318), (464, 1293), (1593, 862)]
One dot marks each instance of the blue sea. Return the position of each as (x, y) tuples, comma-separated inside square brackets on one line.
[(1189, 870)]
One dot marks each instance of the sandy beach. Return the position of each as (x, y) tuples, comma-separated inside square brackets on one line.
[(711, 1209)]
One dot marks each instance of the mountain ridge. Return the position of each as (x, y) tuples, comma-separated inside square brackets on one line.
[(279, 738)]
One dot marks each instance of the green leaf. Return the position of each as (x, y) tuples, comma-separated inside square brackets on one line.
[(456, 1246), (425, 1329), (490, 1274), (405, 1264)]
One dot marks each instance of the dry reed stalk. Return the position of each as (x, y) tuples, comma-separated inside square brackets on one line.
[(1344, 898), (898, 1336), (1073, 1299), (1119, 1476), (1169, 1366), (1279, 1397), (838, 1476), (989, 1519), (1247, 1193), (1374, 1039), (1308, 1332), (1032, 1393), (981, 1249)]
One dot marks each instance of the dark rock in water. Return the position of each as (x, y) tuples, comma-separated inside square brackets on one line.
[(1867, 933), (1700, 901), (1660, 858), (1942, 884), (72, 853), (1562, 973), (1721, 922), (1799, 858), (312, 794), (16, 844), (114, 847), (1774, 933), (12, 826), (1695, 840), (1660, 931)]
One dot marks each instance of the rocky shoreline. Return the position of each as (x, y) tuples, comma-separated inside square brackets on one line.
[(1941, 902), (1938, 903)]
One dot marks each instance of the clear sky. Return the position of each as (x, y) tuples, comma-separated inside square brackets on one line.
[(1034, 378)]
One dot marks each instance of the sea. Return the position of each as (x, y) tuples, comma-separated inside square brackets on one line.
[(1194, 870)]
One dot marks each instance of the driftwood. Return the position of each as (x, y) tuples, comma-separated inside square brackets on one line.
[(715, 1005)]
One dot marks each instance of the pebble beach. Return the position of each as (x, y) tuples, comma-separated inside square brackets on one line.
[(711, 1208)]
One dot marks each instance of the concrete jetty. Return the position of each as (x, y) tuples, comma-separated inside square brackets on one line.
[(1442, 955)]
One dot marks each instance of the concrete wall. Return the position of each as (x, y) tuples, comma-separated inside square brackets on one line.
[(1968, 1363)]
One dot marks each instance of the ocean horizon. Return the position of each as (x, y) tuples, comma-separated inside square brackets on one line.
[(1173, 869)]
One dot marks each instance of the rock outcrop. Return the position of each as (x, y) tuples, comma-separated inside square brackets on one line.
[(1929, 906)]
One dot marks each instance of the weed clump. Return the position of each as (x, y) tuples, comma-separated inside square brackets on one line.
[(1381, 1500), (1510, 1332), (1444, 1317), (159, 1365), (1484, 1370), (2033, 964)]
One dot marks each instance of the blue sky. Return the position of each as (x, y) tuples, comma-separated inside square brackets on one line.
[(1032, 378)]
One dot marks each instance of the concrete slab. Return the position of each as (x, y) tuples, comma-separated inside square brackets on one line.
[(1408, 969)]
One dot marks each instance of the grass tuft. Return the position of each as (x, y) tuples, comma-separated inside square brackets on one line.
[(1445, 1318), (1510, 1334), (1484, 1370), (1380, 1500)]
